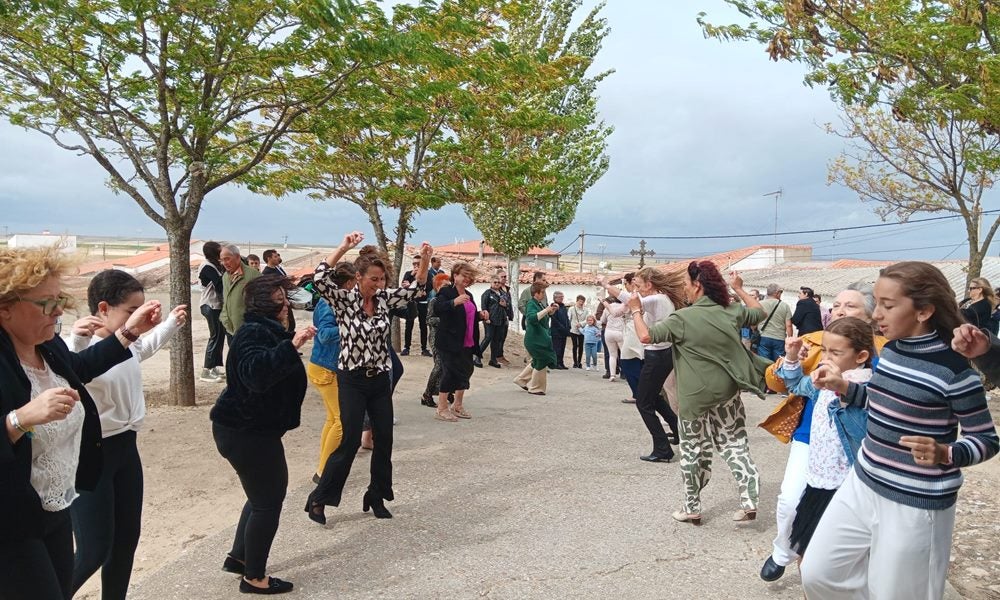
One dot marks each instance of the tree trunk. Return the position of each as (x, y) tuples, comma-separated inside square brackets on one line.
[(514, 277), (975, 266), (181, 353), (398, 250)]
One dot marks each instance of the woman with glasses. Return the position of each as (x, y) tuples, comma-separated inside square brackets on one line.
[(978, 307), (52, 440)]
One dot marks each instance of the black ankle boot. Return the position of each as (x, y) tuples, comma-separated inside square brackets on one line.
[(315, 511), (376, 504)]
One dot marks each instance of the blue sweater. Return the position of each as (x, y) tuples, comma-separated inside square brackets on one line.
[(326, 344), (922, 387)]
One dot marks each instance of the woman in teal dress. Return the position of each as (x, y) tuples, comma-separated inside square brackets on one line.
[(537, 341)]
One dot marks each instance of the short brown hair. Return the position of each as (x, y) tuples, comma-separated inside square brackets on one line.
[(538, 286)]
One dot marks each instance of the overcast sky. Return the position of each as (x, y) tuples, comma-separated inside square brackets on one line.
[(703, 130)]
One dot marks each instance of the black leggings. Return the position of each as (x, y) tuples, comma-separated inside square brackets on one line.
[(656, 366), (106, 521), (39, 568), (259, 460), (360, 394), (577, 339), (216, 336)]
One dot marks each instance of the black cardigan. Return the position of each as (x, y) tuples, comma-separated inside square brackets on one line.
[(265, 380), (450, 335), (20, 507)]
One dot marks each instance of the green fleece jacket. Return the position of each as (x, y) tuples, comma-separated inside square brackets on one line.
[(712, 364), (234, 305)]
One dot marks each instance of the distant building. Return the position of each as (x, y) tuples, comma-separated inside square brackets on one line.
[(28, 240), (540, 258)]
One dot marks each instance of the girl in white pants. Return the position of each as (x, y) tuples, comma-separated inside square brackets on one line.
[(614, 333)]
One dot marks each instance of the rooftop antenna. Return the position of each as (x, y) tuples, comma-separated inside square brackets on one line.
[(777, 194)]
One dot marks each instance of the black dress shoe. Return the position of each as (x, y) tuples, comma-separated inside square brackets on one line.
[(274, 586), (656, 458), (404, 352), (606, 375), (562, 367), (494, 363), (771, 571), (425, 352), (376, 504), (316, 512), (477, 361), (231, 565), (428, 401)]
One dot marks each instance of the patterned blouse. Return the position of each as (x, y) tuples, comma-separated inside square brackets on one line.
[(363, 339)]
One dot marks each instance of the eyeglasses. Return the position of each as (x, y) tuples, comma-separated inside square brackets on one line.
[(975, 287), (49, 305)]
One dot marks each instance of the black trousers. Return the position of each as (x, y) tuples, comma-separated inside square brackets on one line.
[(259, 460), (360, 394), (421, 318), (559, 347), (106, 521), (577, 339), (607, 359), (216, 336), (39, 568), (494, 338), (656, 366)]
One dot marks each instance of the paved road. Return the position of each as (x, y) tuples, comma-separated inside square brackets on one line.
[(532, 498)]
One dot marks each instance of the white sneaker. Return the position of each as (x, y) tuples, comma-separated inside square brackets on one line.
[(218, 372), (588, 367), (611, 378), (209, 377)]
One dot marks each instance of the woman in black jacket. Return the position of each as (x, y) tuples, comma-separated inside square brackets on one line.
[(210, 277), (52, 432), (979, 306), (265, 386), (457, 340)]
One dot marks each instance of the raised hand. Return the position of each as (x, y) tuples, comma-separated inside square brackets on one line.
[(145, 317), (303, 335), (180, 313), (793, 346), (970, 341), (351, 240), (86, 326), (426, 250), (735, 280), (635, 302)]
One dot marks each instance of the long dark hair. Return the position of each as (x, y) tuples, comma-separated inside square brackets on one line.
[(212, 252), (111, 286), (925, 285), (707, 274), (258, 295)]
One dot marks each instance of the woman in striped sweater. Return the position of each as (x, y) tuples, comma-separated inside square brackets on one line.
[(887, 531)]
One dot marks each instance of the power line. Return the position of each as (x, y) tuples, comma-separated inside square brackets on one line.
[(570, 244), (802, 232)]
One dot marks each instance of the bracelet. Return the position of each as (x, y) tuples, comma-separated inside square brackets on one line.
[(127, 334), (637, 312), (16, 424)]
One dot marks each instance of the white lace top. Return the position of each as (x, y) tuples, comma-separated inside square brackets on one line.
[(828, 467), (55, 447)]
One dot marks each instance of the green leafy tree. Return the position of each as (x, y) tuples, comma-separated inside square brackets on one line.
[(914, 167), (176, 99), (523, 207)]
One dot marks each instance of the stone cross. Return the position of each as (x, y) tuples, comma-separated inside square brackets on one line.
[(642, 253)]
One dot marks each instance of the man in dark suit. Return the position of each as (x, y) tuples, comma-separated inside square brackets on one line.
[(807, 317), (272, 266)]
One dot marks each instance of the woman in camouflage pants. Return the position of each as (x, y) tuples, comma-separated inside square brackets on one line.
[(712, 367)]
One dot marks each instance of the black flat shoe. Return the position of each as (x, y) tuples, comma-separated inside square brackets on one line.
[(315, 512), (771, 571), (232, 565), (316, 478), (376, 504), (424, 400), (536, 393), (656, 458), (494, 363), (274, 586)]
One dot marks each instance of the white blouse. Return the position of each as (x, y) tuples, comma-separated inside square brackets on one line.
[(655, 308), (828, 467), (55, 447), (118, 392)]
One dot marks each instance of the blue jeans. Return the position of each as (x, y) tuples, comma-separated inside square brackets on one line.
[(770, 348), (590, 349)]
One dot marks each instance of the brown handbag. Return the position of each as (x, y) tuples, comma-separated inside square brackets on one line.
[(785, 418)]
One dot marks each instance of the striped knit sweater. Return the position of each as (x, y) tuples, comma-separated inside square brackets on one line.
[(922, 387)]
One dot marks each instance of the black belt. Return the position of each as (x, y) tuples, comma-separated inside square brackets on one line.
[(366, 371)]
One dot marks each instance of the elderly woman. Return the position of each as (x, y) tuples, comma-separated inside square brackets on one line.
[(364, 374), (457, 340), (265, 386), (712, 367), (858, 301), (537, 341), (52, 441)]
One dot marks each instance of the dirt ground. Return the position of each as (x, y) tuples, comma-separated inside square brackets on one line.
[(190, 490)]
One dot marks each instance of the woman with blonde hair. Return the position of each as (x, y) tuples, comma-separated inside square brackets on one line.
[(979, 306), (52, 429), (661, 294)]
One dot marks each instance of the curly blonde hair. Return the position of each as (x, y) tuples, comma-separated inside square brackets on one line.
[(24, 269)]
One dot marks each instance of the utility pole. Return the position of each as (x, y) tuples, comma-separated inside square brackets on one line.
[(285, 244), (581, 250), (602, 246), (776, 195)]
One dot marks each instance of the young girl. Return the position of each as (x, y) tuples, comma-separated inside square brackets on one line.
[(106, 520), (591, 340), (887, 531), (847, 345)]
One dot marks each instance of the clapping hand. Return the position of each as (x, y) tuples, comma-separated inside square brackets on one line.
[(969, 341), (86, 326), (145, 317), (303, 335)]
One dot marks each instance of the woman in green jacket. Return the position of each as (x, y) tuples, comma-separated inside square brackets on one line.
[(537, 341), (712, 368)]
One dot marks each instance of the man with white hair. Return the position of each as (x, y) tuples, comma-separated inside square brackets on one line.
[(234, 280)]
